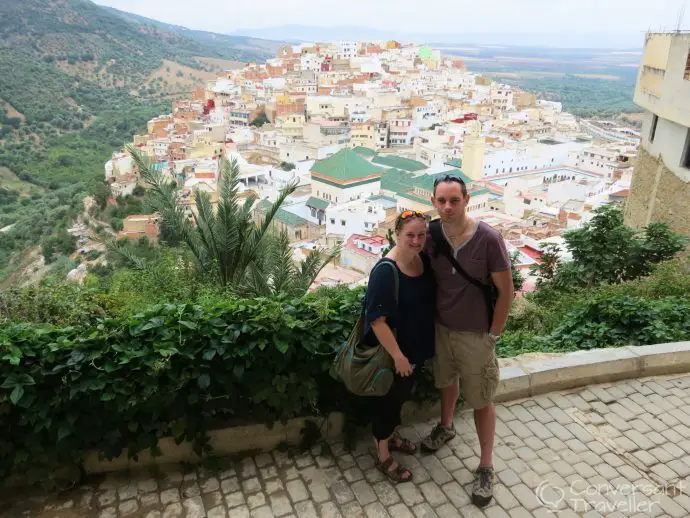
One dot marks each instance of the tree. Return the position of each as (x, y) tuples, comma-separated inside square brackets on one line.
[(605, 250), (287, 166), (518, 276), (101, 193), (260, 120), (391, 242), (246, 256), (545, 270)]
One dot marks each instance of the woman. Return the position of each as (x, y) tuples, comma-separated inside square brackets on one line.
[(413, 320)]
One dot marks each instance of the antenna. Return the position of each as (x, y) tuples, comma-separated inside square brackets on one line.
[(681, 15)]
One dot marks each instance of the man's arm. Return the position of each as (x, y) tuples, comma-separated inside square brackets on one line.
[(504, 283)]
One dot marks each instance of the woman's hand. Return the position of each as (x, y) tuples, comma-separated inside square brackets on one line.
[(402, 365)]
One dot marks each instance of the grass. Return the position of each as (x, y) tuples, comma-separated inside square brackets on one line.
[(9, 180)]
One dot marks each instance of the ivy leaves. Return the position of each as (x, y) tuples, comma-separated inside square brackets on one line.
[(171, 370), (17, 382)]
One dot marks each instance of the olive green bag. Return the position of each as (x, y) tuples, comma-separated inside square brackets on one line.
[(366, 371)]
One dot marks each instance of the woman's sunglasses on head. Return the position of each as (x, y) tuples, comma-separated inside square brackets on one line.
[(411, 214)]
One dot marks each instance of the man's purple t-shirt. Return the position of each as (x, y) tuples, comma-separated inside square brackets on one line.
[(460, 305)]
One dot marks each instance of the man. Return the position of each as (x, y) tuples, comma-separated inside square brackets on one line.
[(465, 338)]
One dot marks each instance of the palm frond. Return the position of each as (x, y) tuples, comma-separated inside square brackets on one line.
[(256, 233), (205, 221), (282, 271), (312, 265), (124, 251), (164, 199)]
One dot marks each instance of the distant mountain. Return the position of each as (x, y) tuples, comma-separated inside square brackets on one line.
[(213, 40), (308, 33)]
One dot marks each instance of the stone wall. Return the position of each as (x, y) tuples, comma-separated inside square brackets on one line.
[(657, 194)]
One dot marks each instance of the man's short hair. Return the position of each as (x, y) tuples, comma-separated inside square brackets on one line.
[(449, 178)]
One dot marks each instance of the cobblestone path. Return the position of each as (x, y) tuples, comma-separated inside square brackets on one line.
[(612, 450)]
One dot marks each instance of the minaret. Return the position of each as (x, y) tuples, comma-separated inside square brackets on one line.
[(473, 152)]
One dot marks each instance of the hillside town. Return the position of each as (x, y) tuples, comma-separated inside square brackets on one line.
[(364, 129)]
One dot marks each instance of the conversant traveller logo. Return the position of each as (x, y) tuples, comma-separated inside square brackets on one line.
[(604, 498)]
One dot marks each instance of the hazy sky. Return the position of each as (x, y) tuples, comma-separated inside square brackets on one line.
[(567, 17)]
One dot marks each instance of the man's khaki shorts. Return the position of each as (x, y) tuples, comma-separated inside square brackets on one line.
[(470, 357)]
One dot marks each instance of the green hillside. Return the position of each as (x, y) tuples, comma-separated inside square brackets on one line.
[(76, 82), (64, 62)]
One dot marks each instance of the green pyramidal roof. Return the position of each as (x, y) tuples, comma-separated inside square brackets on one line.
[(346, 166)]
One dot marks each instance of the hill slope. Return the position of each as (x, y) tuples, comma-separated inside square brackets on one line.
[(211, 39), (62, 62), (76, 82)]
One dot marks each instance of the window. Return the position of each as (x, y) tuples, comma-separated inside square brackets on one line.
[(686, 153), (332, 221), (687, 68), (652, 131), (342, 222)]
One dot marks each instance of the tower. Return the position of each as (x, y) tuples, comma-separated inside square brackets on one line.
[(473, 152)]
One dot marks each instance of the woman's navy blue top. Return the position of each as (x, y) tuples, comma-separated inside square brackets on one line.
[(414, 315)]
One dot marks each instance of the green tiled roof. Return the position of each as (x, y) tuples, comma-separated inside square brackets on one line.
[(456, 162), (345, 165), (426, 181), (289, 218), (264, 205), (414, 197), (398, 162), (364, 151), (282, 215), (317, 203), (397, 181)]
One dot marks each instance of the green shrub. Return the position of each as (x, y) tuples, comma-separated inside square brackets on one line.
[(171, 370), (62, 304), (612, 320), (92, 254), (69, 353), (183, 369)]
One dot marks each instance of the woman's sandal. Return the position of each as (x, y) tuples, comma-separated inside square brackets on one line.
[(401, 444), (396, 475)]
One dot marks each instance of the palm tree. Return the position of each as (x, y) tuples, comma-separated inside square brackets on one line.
[(249, 258)]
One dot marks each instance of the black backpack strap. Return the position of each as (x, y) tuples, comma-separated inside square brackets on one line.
[(441, 245)]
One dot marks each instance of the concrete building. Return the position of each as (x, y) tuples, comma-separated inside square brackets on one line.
[(660, 187), (362, 252), (357, 217), (137, 226)]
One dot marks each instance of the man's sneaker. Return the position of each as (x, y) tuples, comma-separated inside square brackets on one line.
[(483, 488), (439, 436)]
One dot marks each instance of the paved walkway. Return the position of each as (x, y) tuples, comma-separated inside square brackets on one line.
[(609, 450)]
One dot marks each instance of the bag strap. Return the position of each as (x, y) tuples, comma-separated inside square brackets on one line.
[(444, 247), (392, 265), (396, 279)]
